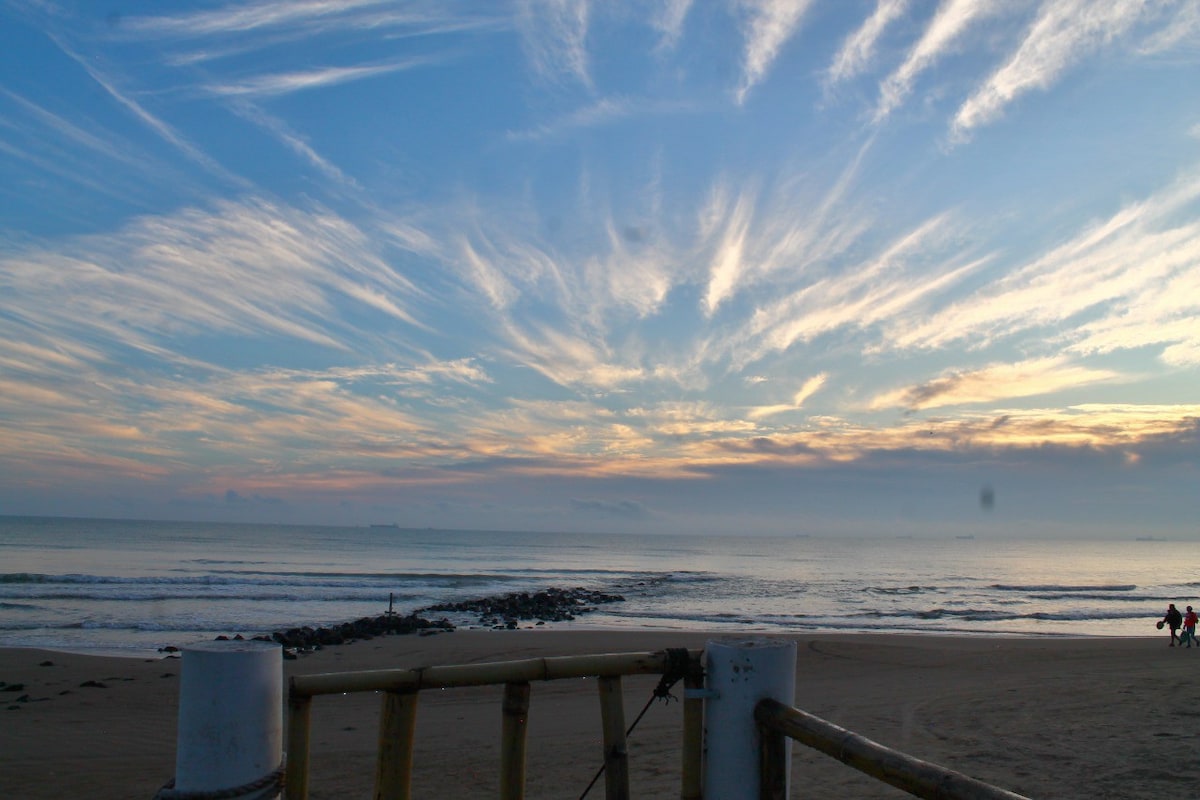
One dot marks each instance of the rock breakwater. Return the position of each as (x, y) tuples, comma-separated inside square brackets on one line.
[(501, 612), (548, 605)]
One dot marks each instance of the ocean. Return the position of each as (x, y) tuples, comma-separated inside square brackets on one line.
[(131, 587)]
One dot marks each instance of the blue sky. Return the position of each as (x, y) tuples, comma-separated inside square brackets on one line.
[(818, 266)]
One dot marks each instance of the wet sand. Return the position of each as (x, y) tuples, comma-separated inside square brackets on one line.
[(1062, 718)]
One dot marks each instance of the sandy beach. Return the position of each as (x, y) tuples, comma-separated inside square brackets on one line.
[(1063, 718)]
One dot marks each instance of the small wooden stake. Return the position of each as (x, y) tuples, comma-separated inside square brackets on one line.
[(616, 753), (514, 723), (397, 725)]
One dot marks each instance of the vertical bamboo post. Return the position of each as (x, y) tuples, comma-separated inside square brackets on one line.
[(616, 754), (693, 738), (514, 723), (773, 765), (298, 727), (397, 725)]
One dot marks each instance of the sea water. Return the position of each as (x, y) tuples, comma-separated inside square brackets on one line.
[(135, 586)]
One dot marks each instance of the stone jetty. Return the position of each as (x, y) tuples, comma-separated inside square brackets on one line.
[(307, 638), (499, 612), (548, 605)]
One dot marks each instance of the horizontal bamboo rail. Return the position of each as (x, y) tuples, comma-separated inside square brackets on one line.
[(398, 717), (447, 677), (917, 777)]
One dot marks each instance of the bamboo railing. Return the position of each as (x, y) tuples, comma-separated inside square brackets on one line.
[(778, 722), (397, 722)]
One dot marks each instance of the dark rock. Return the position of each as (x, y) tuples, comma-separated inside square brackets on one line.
[(46, 664), (93, 685), (503, 613), (548, 605), (12, 687), (362, 629)]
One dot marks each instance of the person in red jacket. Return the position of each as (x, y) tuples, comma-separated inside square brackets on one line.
[(1189, 627)]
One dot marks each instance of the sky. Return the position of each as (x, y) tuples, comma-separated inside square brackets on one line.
[(869, 267)]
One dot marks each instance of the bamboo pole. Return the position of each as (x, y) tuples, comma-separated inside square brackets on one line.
[(394, 760), (773, 764), (514, 724), (616, 753), (298, 727), (693, 739), (304, 687), (444, 677), (917, 777)]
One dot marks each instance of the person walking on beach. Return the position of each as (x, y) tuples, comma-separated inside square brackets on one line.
[(1189, 627), (1173, 620)]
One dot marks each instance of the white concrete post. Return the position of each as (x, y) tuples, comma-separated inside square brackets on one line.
[(739, 673), (230, 716)]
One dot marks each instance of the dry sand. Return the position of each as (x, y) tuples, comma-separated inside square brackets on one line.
[(1061, 718)]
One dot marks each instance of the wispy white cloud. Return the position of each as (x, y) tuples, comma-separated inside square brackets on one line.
[(1064, 33), (858, 50), (236, 30), (244, 268), (233, 19), (767, 26), (751, 236), (557, 314), (1180, 31), (669, 22), (291, 140), (728, 261), (992, 383), (287, 83), (810, 387), (1119, 281), (951, 22), (554, 34), (600, 112), (161, 128), (87, 139), (898, 283)]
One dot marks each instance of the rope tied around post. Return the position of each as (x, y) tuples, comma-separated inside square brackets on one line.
[(272, 781), (679, 665)]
